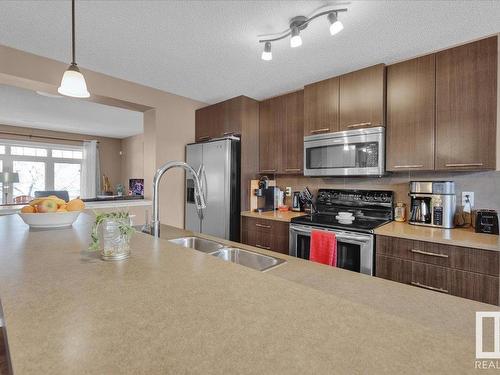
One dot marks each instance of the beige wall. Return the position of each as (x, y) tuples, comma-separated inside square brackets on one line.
[(168, 118), (109, 147), (132, 165)]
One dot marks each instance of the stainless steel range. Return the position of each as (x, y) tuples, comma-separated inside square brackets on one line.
[(355, 239)]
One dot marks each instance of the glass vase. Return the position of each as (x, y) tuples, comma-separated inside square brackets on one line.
[(116, 245)]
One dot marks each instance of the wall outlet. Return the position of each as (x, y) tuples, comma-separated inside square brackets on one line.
[(288, 191), (471, 197)]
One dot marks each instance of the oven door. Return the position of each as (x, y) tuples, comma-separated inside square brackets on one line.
[(354, 250), (348, 153)]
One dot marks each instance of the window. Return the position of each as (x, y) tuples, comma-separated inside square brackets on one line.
[(41, 167), (67, 177), (67, 154), (31, 177)]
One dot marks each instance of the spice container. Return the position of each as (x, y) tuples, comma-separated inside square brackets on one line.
[(400, 212)]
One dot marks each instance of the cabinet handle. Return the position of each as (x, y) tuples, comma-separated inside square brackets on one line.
[(263, 247), (293, 169), (409, 166), (316, 131), (268, 170), (204, 138), (429, 287), (428, 253), (263, 226), (464, 165), (359, 125)]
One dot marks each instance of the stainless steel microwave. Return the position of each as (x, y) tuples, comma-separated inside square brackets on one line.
[(359, 152)]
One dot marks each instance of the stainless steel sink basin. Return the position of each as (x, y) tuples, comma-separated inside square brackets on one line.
[(247, 258), (197, 243)]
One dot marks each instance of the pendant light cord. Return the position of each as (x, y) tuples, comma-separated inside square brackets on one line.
[(73, 62)]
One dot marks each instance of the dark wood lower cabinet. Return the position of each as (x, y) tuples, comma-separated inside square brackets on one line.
[(395, 269), (459, 271), (265, 234)]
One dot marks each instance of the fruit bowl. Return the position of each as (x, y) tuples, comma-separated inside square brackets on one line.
[(50, 219)]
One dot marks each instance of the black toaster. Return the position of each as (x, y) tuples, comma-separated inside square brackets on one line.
[(487, 221)]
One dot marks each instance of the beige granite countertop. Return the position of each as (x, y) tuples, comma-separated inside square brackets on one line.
[(274, 215), (169, 309), (456, 236)]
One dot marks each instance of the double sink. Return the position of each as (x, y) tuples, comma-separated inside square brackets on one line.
[(245, 258)]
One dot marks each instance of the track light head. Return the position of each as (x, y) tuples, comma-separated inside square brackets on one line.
[(295, 40), (335, 25), (267, 55)]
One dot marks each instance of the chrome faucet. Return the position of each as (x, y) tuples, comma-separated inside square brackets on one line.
[(199, 197)]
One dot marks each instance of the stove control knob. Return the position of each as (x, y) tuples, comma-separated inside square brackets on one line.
[(384, 197)]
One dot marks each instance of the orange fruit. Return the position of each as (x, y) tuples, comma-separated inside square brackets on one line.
[(28, 210), (61, 210), (75, 205), (65, 205)]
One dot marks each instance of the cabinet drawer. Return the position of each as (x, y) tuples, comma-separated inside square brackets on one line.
[(394, 247), (470, 285), (430, 277), (394, 269), (266, 241), (263, 225), (482, 288), (449, 256)]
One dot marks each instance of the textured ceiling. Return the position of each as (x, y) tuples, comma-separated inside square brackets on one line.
[(208, 50), (27, 109)]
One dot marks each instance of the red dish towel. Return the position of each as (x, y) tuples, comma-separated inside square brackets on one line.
[(323, 248)]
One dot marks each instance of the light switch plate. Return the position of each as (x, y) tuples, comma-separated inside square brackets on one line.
[(288, 191), (471, 197)]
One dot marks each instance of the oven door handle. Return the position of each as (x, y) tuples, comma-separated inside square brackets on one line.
[(338, 236)]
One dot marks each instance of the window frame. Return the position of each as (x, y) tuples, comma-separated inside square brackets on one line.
[(8, 159)]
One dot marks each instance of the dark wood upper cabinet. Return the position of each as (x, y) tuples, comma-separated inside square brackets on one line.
[(221, 119), (281, 134), (209, 122), (271, 125), (362, 98), (466, 106), (293, 145), (411, 114), (321, 107)]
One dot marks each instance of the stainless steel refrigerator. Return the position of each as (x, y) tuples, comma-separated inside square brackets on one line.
[(219, 164)]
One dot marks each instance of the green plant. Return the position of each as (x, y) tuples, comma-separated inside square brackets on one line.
[(123, 220)]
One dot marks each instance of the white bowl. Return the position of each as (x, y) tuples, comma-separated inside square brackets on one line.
[(345, 215), (50, 219)]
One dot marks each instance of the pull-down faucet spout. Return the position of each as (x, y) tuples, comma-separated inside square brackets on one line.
[(199, 194)]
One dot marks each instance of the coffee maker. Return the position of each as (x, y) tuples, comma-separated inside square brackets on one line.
[(433, 203)]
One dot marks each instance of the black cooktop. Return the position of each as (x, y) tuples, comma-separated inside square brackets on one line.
[(359, 224)]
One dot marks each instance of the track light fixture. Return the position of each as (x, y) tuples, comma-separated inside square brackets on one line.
[(299, 23)]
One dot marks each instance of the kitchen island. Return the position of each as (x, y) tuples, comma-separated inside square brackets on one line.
[(169, 309)]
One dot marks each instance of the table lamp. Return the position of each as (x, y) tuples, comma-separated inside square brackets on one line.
[(7, 178)]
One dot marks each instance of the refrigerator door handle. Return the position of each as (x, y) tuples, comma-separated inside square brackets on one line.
[(202, 177)]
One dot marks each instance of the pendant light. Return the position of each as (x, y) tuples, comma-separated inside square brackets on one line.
[(73, 82)]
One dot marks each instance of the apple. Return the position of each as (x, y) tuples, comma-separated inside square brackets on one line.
[(47, 205)]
